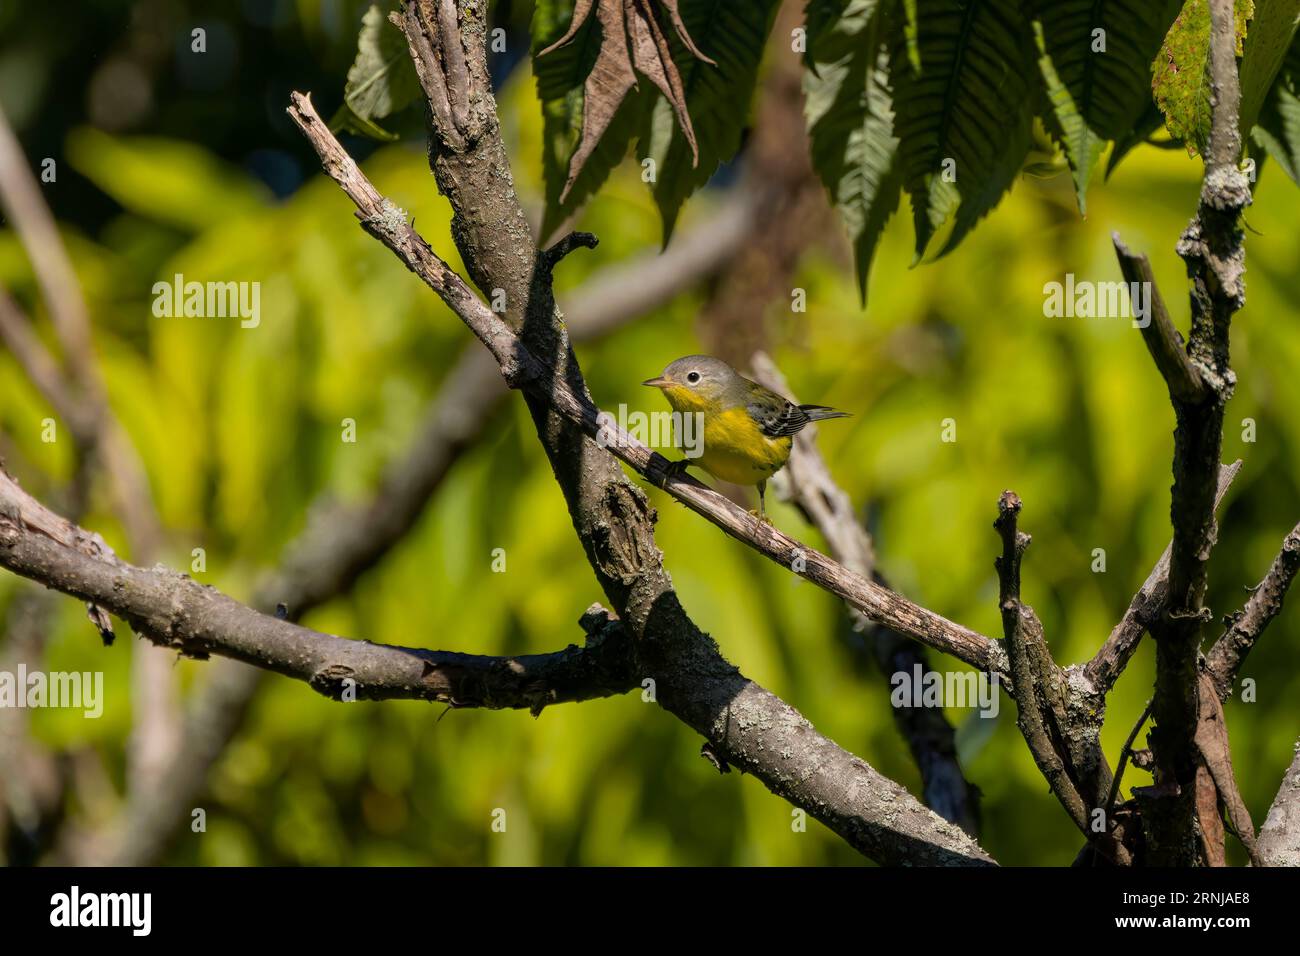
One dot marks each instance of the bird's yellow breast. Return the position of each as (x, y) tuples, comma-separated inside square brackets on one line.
[(735, 448)]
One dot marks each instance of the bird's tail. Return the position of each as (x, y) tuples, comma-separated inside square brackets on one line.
[(817, 413)]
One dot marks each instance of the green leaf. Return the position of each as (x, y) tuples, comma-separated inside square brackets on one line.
[(1181, 71), (733, 34), (1095, 60), (1278, 129), (382, 79), (1271, 31), (964, 119), (560, 76), (850, 119)]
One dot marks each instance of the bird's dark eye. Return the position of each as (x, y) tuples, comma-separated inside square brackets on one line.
[(692, 377)]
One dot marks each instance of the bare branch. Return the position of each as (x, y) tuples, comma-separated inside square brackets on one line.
[(82, 399), (1125, 752), (1244, 626), (1162, 339), (175, 612), (1216, 781), (1031, 665)]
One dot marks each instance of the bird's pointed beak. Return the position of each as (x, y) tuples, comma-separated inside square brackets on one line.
[(659, 382)]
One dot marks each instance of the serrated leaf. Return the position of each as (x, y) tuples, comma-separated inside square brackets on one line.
[(1271, 31), (1181, 79), (382, 80), (1278, 129), (733, 35), (591, 97), (1095, 60), (849, 113), (560, 76), (964, 120)]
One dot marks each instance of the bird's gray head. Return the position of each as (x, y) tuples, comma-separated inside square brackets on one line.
[(698, 373)]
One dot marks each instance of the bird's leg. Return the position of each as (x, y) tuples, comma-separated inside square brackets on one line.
[(761, 513)]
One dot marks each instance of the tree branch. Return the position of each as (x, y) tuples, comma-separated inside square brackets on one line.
[(178, 613), (1162, 339), (1032, 667), (175, 612), (1212, 246), (1244, 626), (82, 398)]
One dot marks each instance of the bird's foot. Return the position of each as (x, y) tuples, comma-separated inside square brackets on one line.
[(676, 469), (761, 516)]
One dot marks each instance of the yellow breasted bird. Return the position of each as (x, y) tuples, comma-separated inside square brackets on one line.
[(748, 429)]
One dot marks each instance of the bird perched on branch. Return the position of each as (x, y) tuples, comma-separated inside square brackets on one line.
[(748, 429)]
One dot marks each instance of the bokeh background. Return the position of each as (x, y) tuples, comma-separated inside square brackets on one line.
[(170, 163)]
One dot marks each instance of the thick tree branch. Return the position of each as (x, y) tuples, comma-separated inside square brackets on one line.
[(175, 612), (1212, 246), (1244, 626)]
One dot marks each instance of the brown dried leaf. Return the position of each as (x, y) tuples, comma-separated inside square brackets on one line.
[(1212, 741), (581, 10), (608, 83), (614, 73), (652, 58), (680, 27)]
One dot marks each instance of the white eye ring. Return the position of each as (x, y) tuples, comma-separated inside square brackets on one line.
[(692, 377)]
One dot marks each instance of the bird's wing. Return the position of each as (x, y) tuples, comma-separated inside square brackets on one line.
[(775, 415)]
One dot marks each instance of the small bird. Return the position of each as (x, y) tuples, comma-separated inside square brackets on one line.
[(748, 428)]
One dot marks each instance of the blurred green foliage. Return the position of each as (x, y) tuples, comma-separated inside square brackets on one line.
[(240, 429)]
